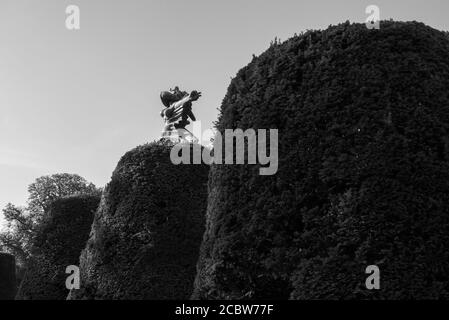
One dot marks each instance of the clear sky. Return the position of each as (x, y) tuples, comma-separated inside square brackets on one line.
[(76, 101)]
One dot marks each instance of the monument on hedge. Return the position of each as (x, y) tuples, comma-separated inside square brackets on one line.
[(61, 237), (177, 112), (148, 228), (363, 178), (7, 276)]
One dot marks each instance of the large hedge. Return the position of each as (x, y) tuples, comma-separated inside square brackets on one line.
[(59, 241), (147, 231), (363, 179), (7, 276)]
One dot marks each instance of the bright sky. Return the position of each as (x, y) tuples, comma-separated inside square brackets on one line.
[(76, 101)]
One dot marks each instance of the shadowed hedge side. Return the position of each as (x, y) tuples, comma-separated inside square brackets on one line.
[(363, 119), (147, 231), (60, 239), (7, 276)]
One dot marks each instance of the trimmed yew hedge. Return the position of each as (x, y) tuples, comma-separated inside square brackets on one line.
[(363, 119), (147, 231), (59, 241)]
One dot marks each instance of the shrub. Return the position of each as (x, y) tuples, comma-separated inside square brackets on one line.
[(58, 243), (147, 231), (363, 179)]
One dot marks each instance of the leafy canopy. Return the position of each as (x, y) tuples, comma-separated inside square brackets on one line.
[(22, 222)]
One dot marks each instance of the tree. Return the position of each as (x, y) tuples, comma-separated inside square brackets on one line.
[(19, 230), (47, 189), (22, 222)]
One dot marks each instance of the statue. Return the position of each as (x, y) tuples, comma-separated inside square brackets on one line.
[(178, 112)]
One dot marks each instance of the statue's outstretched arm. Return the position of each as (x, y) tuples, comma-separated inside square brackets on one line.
[(178, 105)]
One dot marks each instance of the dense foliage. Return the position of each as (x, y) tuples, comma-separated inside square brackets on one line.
[(147, 231), (61, 236), (363, 119), (7, 276), (22, 222)]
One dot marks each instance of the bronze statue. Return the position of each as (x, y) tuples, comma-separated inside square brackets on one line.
[(178, 111)]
